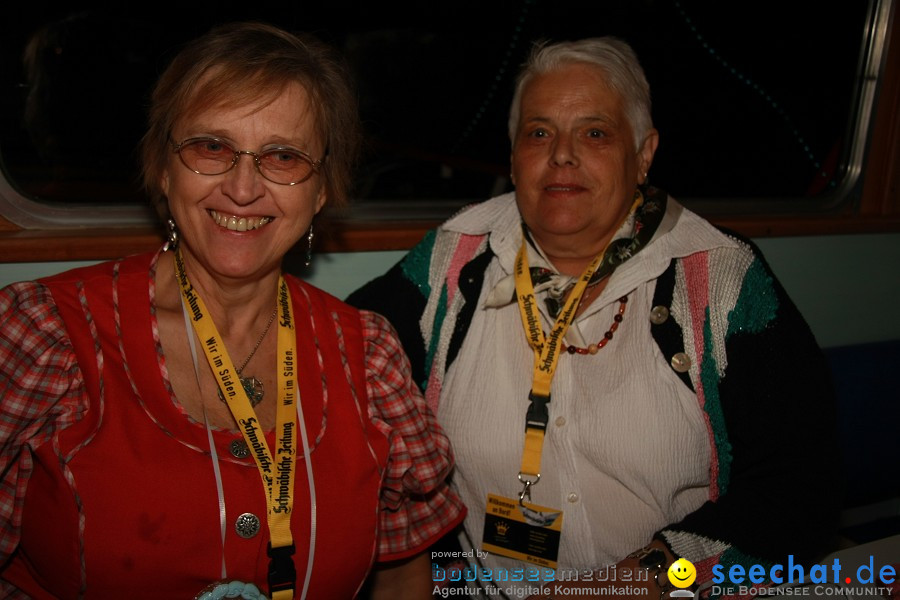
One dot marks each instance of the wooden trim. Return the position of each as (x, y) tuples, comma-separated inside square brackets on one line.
[(102, 244), (23, 245), (18, 245)]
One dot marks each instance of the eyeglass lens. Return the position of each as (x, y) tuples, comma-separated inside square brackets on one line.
[(214, 157)]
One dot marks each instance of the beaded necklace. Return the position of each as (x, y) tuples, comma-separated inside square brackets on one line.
[(594, 348)]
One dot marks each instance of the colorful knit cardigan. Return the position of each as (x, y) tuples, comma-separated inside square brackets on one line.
[(757, 372)]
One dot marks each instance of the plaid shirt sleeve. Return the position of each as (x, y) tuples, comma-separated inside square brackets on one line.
[(417, 505), (40, 393)]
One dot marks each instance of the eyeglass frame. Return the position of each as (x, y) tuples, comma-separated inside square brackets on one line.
[(314, 164)]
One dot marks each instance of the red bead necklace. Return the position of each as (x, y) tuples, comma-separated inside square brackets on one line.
[(594, 348)]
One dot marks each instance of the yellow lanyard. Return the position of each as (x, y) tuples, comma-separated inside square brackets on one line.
[(546, 355), (277, 477)]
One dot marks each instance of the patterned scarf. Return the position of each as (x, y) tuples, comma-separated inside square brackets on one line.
[(645, 225)]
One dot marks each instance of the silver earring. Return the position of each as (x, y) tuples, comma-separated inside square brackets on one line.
[(171, 236), (309, 241)]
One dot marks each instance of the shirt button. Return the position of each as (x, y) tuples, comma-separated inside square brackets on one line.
[(560, 421), (681, 362), (573, 497), (239, 449), (247, 525), (658, 315)]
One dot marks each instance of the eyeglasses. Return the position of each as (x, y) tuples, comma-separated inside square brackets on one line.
[(212, 156)]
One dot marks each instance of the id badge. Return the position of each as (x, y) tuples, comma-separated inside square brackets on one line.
[(530, 533)]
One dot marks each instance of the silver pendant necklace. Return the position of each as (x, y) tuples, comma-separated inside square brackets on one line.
[(253, 386)]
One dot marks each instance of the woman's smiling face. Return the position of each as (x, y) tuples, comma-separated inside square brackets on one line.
[(239, 224)]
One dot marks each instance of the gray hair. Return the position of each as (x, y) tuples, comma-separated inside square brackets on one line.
[(613, 56)]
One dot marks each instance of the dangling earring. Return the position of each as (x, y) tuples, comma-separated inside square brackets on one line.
[(309, 241), (171, 236)]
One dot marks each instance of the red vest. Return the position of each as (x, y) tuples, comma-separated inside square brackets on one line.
[(129, 490)]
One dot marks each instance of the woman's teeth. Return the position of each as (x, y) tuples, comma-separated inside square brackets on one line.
[(239, 223)]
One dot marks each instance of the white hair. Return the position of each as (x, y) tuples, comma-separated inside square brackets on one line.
[(614, 57)]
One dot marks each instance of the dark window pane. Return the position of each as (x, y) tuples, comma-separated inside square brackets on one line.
[(752, 99)]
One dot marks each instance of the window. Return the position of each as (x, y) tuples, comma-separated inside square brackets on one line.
[(762, 105)]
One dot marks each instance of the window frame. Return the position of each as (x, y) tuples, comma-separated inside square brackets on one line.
[(36, 232)]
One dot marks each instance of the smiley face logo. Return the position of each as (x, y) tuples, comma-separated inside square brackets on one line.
[(682, 573)]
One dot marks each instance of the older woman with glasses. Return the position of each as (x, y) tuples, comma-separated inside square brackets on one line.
[(193, 422)]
